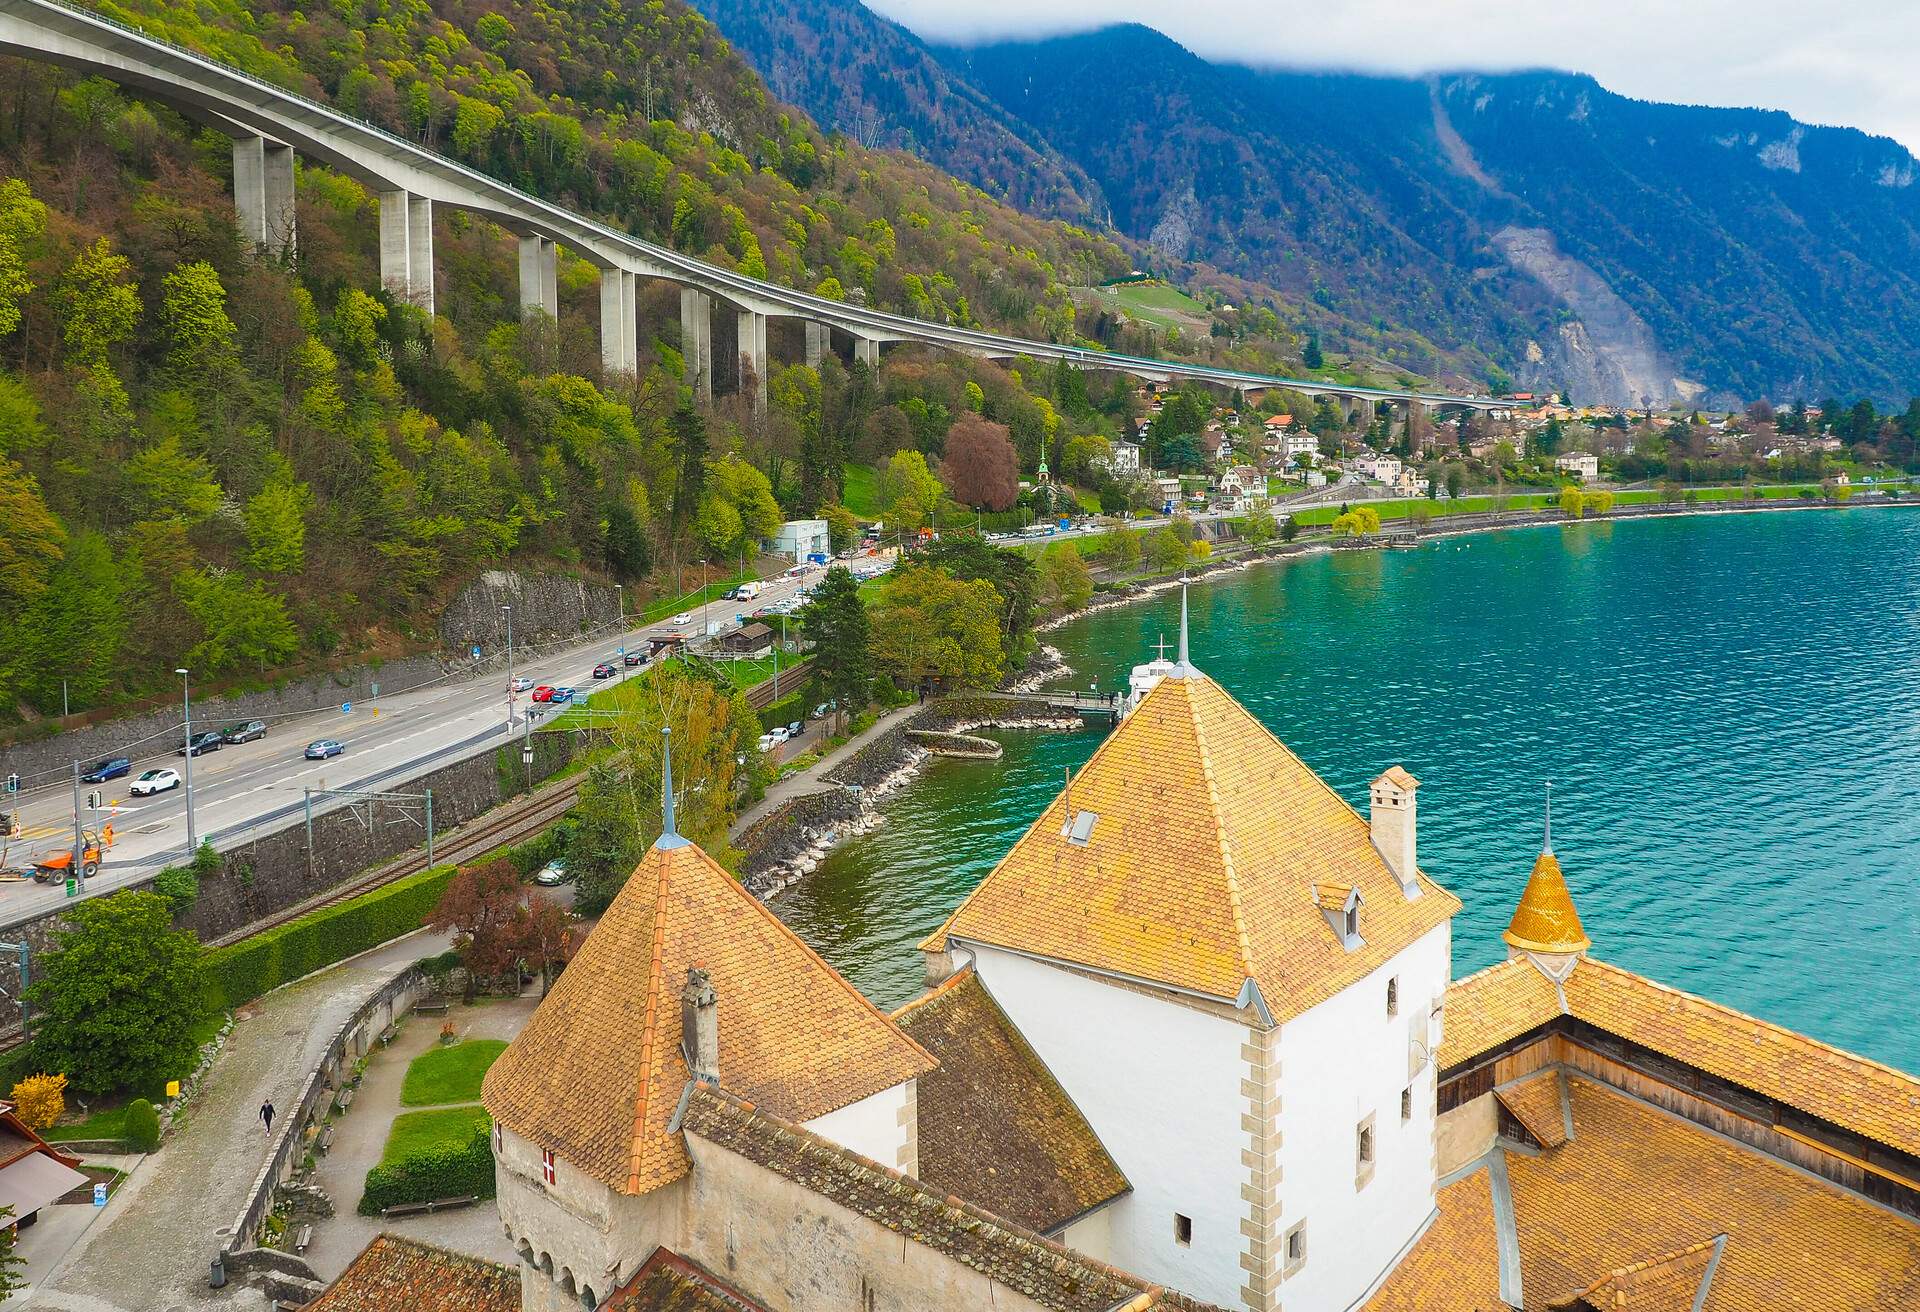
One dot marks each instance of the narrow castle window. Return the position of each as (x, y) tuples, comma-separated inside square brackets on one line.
[(1296, 1247), (1393, 996), (1406, 1104), (1183, 1230), (1363, 1154), (546, 1165), (1353, 922)]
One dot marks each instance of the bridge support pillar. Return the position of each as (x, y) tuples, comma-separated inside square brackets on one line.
[(619, 330), (263, 195), (819, 342), (539, 277), (696, 340), (406, 246), (753, 358), (867, 351)]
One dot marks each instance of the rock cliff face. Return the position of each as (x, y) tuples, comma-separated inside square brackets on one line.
[(545, 607)]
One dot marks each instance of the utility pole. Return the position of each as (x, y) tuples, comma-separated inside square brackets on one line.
[(186, 706), (79, 867), (506, 608)]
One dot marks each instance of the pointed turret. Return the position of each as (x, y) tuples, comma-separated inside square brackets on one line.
[(1546, 920)]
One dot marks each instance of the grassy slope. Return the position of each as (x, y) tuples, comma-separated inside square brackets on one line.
[(452, 1074), (1159, 304), (861, 490)]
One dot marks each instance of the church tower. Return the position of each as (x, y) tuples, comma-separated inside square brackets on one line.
[(1216, 956)]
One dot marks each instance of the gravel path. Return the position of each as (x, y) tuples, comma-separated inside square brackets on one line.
[(151, 1254)]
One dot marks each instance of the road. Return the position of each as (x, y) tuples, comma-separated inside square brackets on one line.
[(259, 786)]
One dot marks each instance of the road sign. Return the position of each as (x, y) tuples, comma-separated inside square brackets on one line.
[(476, 651), (346, 708)]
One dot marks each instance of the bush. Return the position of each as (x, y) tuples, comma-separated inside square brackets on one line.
[(143, 1126), (243, 971), (39, 1099), (785, 711), (548, 845), (432, 1174), (180, 885)]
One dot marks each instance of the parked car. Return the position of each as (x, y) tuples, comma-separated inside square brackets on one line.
[(604, 670), (322, 748), (155, 781), (794, 730), (552, 874), (111, 768), (779, 734), (684, 617), (543, 693), (245, 732), (201, 743), (768, 742), (519, 683), (634, 658), (561, 694)]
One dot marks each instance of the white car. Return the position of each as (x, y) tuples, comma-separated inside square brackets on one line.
[(780, 734), (768, 742), (519, 683), (684, 617), (155, 781)]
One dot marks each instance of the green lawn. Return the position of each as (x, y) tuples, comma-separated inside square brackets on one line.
[(1160, 304), (449, 1074), (109, 1124), (660, 610), (860, 490), (428, 1131)]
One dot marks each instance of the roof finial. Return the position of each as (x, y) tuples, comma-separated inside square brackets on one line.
[(1546, 844), (1182, 664), (669, 837)]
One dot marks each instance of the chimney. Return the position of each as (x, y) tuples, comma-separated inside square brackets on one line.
[(1393, 826), (700, 1026)]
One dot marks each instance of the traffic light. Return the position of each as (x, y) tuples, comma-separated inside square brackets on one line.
[(93, 801), (13, 783)]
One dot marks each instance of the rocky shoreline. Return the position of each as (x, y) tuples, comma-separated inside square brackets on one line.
[(790, 843)]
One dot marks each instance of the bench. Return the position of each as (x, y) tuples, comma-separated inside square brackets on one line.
[(431, 1007), (346, 1098), (302, 1238), (427, 1209), (388, 1035), (325, 1142)]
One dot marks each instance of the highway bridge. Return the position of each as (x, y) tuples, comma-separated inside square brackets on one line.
[(268, 124)]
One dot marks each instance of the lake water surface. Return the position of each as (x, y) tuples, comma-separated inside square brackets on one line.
[(1728, 708)]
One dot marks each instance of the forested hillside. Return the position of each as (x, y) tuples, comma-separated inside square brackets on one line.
[(241, 465), (1627, 252)]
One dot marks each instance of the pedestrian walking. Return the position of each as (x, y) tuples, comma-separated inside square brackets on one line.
[(266, 1115)]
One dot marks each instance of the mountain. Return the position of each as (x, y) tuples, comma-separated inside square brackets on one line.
[(1630, 252), (855, 72)]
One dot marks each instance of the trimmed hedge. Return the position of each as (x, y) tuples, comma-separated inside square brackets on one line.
[(142, 1126), (785, 711), (241, 972), (427, 1176)]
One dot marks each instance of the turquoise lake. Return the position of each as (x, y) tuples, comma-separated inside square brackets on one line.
[(1728, 708)]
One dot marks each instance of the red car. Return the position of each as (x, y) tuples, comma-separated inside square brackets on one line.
[(604, 670), (544, 693)]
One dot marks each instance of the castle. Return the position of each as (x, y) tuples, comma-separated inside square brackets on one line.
[(1193, 1043)]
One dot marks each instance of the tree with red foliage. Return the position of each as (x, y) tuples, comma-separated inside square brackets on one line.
[(544, 931), (481, 906), (981, 469)]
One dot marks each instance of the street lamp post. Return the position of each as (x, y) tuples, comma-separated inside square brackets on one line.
[(506, 608), (186, 708)]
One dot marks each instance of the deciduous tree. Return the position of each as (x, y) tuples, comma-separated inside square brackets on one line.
[(980, 468), (116, 1000), (930, 625), (479, 907), (1066, 584)]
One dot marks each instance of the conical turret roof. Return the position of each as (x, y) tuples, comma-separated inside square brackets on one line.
[(1545, 920)]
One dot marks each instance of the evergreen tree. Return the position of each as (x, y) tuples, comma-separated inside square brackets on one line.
[(835, 623), (1311, 355), (687, 429)]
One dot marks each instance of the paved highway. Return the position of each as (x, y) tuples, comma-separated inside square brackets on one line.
[(258, 787)]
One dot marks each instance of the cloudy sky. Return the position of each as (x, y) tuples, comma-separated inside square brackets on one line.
[(1847, 62)]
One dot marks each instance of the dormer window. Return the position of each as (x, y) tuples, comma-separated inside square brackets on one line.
[(1340, 903), (1078, 830)]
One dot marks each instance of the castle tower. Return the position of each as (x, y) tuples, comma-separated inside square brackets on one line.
[(686, 976), (1213, 953)]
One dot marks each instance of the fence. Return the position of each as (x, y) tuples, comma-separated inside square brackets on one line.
[(374, 1016)]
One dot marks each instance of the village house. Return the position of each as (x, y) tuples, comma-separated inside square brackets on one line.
[(1582, 466), (1124, 460), (1193, 1043)]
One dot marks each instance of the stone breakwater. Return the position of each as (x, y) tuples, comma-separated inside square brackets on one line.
[(789, 843)]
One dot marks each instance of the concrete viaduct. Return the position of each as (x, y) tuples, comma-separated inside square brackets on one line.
[(268, 124)]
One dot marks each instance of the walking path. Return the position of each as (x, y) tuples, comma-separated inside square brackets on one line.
[(812, 779), (360, 1137), (151, 1251)]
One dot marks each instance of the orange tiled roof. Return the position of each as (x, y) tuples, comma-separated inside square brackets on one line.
[(1502, 1002), (396, 1274), (1669, 1283), (595, 1075), (1201, 868), (667, 1282), (1535, 1103), (1545, 920), (996, 1128), (1634, 1181)]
